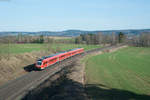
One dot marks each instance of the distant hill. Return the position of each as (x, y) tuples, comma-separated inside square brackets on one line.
[(72, 33)]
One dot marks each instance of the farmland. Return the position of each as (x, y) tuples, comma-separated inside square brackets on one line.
[(23, 48), (124, 74)]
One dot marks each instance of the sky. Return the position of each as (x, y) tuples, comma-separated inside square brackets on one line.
[(58, 15)]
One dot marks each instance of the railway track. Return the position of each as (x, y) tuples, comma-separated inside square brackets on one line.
[(16, 89)]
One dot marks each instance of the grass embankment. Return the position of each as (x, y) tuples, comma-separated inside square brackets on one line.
[(22, 48), (120, 75)]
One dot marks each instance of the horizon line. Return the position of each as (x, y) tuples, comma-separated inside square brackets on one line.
[(82, 30)]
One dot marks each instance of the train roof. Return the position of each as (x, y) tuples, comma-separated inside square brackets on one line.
[(52, 55), (55, 54)]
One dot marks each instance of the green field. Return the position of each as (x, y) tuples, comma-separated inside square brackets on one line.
[(121, 75), (22, 48)]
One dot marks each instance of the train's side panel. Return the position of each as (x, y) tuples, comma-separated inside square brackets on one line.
[(49, 61), (73, 52), (52, 60), (77, 51), (45, 64), (81, 50), (68, 54), (63, 56)]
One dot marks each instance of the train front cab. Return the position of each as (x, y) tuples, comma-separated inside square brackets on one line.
[(39, 65)]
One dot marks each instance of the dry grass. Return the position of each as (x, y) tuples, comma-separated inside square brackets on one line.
[(14, 66)]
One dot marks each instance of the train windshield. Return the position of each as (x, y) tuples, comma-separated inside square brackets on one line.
[(39, 63)]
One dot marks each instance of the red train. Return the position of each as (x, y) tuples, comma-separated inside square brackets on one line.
[(54, 58)]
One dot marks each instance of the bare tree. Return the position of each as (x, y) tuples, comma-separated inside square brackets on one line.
[(113, 39), (78, 40), (100, 38), (9, 41), (142, 40)]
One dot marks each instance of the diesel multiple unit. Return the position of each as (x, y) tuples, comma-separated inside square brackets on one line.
[(47, 61)]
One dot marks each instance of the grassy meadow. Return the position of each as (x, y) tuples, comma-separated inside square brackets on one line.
[(22, 48), (120, 75)]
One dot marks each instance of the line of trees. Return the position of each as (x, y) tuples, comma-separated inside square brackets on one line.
[(25, 39), (29, 39), (141, 40), (100, 38), (35, 39)]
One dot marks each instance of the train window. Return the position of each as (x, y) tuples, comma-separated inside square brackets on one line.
[(45, 63), (63, 56), (39, 63), (53, 59)]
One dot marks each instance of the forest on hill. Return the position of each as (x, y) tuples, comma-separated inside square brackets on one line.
[(73, 33)]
